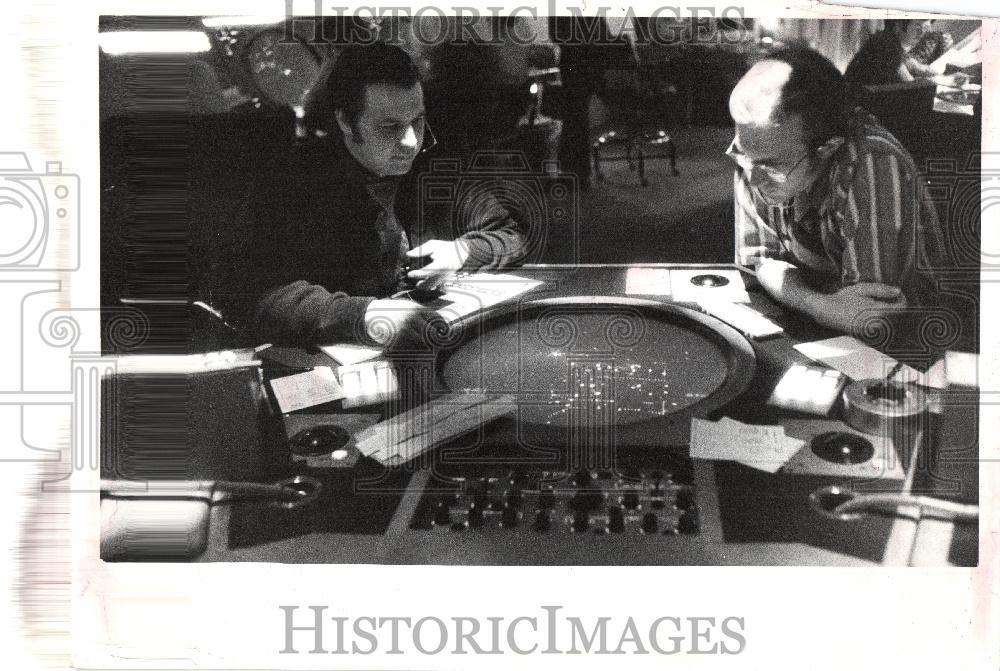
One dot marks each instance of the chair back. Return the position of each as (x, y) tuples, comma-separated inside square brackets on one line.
[(905, 110)]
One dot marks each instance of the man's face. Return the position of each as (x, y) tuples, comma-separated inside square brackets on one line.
[(913, 32), (389, 132), (777, 147)]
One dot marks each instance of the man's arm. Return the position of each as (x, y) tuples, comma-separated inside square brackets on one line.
[(301, 312), (889, 238), (889, 231), (491, 237), (845, 310)]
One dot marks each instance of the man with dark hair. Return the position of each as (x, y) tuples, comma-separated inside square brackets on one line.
[(829, 209), (332, 238), (888, 56)]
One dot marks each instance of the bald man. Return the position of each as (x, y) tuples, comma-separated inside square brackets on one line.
[(828, 209)]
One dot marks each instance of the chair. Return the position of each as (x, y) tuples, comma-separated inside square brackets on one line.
[(905, 109), (639, 136)]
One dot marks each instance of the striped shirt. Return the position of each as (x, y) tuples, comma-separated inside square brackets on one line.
[(866, 220)]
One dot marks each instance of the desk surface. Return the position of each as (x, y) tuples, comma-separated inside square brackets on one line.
[(746, 516)]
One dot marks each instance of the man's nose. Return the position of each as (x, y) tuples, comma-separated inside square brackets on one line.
[(410, 139)]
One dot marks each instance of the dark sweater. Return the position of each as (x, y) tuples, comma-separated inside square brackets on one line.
[(877, 62), (324, 246)]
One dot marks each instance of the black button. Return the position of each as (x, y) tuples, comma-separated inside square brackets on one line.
[(513, 498), (631, 499), (689, 523), (542, 521), (546, 499), (587, 500), (518, 478), (656, 501), (684, 499), (649, 523), (476, 518), (616, 519), (583, 479), (442, 515), (581, 522), (509, 518)]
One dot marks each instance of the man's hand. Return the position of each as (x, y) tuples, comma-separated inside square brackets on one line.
[(402, 322), (447, 257), (843, 309), (846, 309), (773, 275)]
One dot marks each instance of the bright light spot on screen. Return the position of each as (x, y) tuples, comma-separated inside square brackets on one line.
[(534, 89), (339, 455), (248, 20), (153, 42)]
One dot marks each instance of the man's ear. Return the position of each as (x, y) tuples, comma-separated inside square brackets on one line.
[(344, 123), (830, 147)]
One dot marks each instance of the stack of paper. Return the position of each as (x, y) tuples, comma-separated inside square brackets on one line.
[(408, 435), (765, 448), (367, 383), (348, 354), (303, 390), (858, 361), (466, 294)]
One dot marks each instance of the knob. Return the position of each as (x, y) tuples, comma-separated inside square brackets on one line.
[(543, 522), (649, 523), (546, 499), (583, 479), (442, 515), (476, 519), (496, 504), (509, 518), (656, 495), (478, 487), (684, 499), (630, 499), (581, 522), (587, 500), (688, 524), (616, 519), (513, 498)]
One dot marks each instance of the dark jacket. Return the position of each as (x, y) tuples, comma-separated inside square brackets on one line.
[(877, 62), (318, 259)]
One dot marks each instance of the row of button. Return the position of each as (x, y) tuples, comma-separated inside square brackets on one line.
[(581, 521)]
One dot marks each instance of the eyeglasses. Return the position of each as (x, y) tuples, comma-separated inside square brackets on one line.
[(430, 140), (771, 173)]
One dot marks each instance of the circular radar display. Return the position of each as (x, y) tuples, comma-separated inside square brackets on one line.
[(594, 362)]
